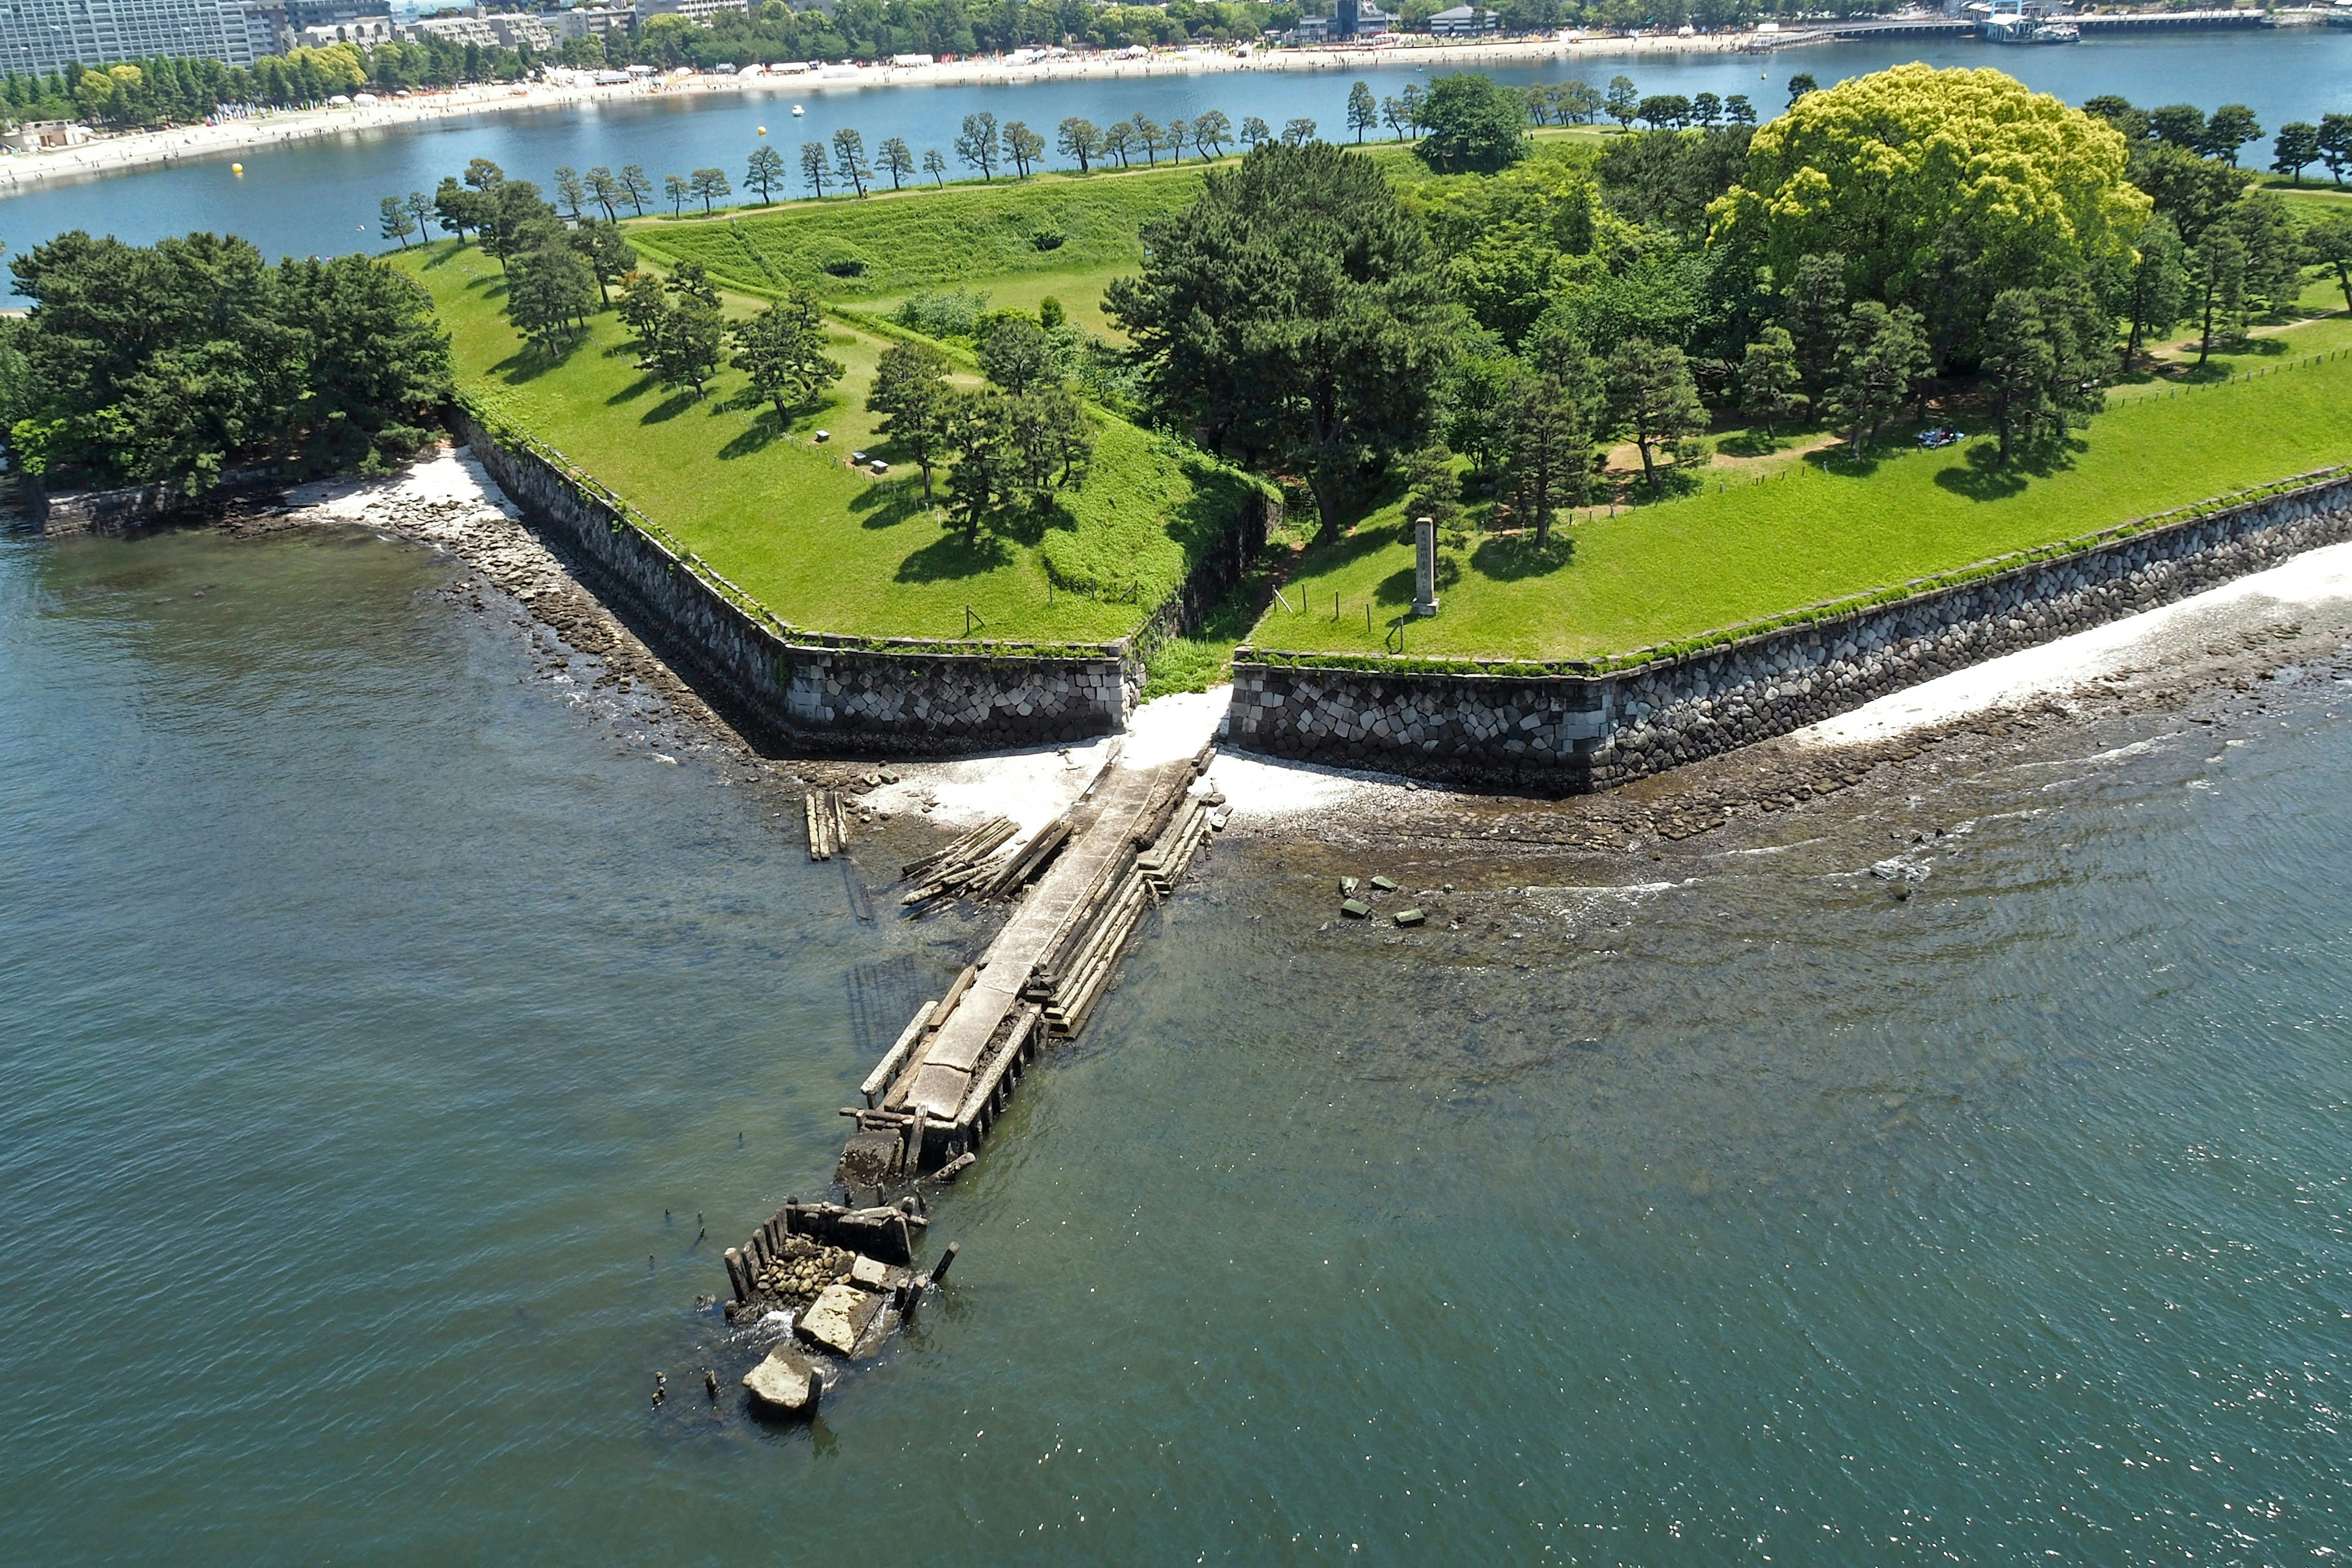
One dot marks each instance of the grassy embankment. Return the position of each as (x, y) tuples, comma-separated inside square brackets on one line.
[(1816, 531), (819, 543), (1790, 530)]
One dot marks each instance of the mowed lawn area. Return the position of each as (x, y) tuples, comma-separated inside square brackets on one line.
[(821, 544), (1819, 531), (892, 244)]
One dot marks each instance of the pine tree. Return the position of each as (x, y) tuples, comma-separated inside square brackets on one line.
[(1653, 399), (911, 389), (765, 171), (1881, 354), (1771, 383), (781, 353), (849, 159), (1548, 462)]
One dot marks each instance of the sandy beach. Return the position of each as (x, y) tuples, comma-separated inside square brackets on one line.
[(143, 149)]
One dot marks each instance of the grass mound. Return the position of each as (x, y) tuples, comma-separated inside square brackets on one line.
[(896, 244)]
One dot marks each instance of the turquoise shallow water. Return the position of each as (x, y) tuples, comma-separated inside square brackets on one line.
[(366, 1004)]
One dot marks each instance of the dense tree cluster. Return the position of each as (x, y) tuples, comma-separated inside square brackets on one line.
[(178, 91), (1014, 444), (1295, 314), (1913, 234), (175, 361)]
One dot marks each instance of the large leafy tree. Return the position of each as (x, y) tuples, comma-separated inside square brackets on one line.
[(1470, 122), (1295, 314), (1905, 170)]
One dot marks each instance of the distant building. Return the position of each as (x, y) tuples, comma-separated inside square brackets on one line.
[(1463, 21), (42, 36), (508, 30), (592, 21), (1349, 19), (299, 14), (692, 10), (38, 135), (365, 31)]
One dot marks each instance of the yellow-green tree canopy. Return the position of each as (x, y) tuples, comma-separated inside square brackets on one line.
[(1908, 170)]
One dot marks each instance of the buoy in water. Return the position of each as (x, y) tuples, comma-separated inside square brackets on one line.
[(763, 131), (236, 168)]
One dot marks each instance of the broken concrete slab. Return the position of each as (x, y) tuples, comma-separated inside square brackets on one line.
[(786, 1384), (839, 1318)]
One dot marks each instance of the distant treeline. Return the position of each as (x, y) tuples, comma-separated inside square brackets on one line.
[(177, 90), (875, 29), (169, 91)]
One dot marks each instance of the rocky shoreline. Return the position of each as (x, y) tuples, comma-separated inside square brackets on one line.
[(447, 502)]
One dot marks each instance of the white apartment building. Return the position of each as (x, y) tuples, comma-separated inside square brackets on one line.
[(43, 35)]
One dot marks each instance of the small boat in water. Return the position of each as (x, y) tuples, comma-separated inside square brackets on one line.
[(2010, 22), (798, 111)]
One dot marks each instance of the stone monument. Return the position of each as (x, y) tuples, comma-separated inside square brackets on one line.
[(1424, 567)]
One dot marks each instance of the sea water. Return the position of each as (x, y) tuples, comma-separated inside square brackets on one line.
[(319, 197), (381, 1013)]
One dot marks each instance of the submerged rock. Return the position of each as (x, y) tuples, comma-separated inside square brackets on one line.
[(786, 1384)]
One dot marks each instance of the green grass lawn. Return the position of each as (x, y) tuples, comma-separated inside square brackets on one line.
[(825, 546), (891, 245), (1821, 532), (1080, 290)]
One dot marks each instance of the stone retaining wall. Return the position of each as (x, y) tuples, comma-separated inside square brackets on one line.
[(65, 513), (830, 690), (1565, 734)]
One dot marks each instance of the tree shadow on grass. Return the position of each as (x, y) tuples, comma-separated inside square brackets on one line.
[(1509, 560), (1982, 475), (764, 431), (530, 361), (954, 557), (635, 390), (887, 506), (669, 407)]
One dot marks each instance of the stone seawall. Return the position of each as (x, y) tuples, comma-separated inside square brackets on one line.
[(809, 688), (1571, 734), (64, 514)]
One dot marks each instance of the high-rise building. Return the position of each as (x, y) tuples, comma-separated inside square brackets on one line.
[(43, 35)]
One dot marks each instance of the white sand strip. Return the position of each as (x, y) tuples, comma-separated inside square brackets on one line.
[(2322, 577)]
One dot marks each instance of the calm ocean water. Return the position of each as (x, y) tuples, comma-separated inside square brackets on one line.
[(367, 1004), (320, 198)]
